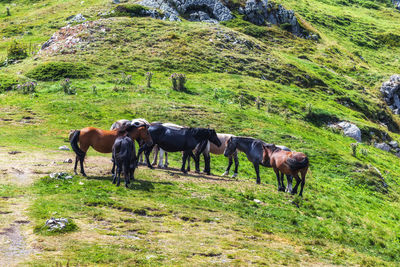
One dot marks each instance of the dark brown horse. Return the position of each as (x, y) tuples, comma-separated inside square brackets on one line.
[(102, 140), (285, 162)]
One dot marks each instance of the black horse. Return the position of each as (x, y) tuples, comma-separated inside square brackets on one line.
[(253, 148), (173, 139), (124, 158)]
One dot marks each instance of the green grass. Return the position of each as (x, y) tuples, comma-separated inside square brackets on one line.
[(347, 217)]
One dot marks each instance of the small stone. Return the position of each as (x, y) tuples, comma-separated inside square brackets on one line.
[(394, 144), (116, 1), (64, 148), (67, 161), (257, 201), (383, 146)]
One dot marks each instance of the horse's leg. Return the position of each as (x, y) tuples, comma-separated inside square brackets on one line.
[(235, 157), (230, 162), (303, 180), (298, 181), (127, 173), (196, 161), (147, 154), (184, 158), (115, 176), (166, 159), (282, 182), (278, 178), (76, 164), (289, 179), (188, 164), (160, 163), (257, 168), (207, 163), (119, 170), (82, 168), (155, 151)]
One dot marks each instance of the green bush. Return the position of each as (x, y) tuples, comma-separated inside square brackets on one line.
[(53, 71), (129, 10), (7, 82), (17, 51)]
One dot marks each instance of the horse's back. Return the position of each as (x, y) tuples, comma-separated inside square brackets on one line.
[(220, 150)]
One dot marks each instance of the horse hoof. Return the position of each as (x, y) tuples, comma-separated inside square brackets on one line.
[(208, 173), (234, 175), (84, 175), (197, 171), (225, 173)]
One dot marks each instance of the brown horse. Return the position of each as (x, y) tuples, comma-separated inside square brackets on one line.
[(286, 162), (103, 140)]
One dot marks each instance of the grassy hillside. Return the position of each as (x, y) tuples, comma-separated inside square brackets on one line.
[(349, 214)]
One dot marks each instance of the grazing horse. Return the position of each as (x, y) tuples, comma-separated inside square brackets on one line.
[(103, 140), (172, 139), (289, 163), (124, 157), (253, 148)]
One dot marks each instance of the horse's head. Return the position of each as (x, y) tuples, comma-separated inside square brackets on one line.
[(140, 133), (214, 138), (230, 147), (268, 149)]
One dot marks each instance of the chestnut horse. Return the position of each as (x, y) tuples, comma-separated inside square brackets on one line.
[(102, 140), (285, 162)]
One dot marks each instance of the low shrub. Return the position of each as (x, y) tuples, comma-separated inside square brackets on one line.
[(53, 71), (27, 88), (17, 51), (128, 10), (7, 82)]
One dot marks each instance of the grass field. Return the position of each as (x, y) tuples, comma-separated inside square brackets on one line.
[(349, 214)]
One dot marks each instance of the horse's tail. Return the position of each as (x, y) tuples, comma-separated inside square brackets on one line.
[(295, 164), (74, 138)]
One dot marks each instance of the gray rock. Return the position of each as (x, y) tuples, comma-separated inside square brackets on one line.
[(260, 12), (350, 130), (67, 161), (56, 224), (116, 1), (394, 144), (63, 148), (390, 91), (77, 18), (383, 146), (60, 175), (202, 10)]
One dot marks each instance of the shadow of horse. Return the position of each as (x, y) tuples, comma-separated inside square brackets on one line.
[(178, 172), (136, 184)]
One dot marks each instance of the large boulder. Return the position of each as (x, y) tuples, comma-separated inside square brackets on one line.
[(195, 10), (391, 93), (260, 12), (350, 130)]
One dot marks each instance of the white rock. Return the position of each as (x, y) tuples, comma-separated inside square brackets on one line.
[(350, 130), (64, 148), (257, 201), (394, 144)]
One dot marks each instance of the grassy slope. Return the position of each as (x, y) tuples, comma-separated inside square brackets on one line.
[(344, 218)]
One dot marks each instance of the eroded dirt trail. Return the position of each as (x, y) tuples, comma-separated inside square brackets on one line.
[(20, 169)]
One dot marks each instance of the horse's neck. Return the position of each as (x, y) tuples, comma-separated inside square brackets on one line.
[(244, 146)]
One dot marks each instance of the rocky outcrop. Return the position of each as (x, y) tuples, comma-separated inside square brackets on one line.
[(383, 146), (396, 4), (194, 10), (349, 129), (261, 12), (391, 93)]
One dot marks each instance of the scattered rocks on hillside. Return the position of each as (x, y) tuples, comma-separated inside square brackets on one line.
[(383, 146), (77, 18), (260, 12), (69, 39), (60, 175), (194, 10), (64, 148), (56, 224), (349, 129), (394, 144), (391, 93)]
